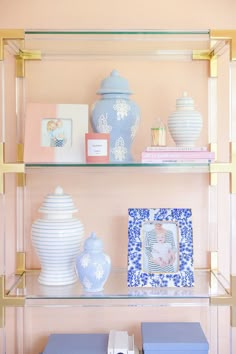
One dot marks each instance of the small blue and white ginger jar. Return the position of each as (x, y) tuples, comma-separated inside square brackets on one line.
[(93, 266), (117, 115)]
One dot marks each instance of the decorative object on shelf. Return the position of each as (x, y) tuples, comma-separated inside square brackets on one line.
[(160, 247), (121, 342), (54, 133), (185, 123), (97, 147), (158, 133), (90, 343), (173, 337), (57, 239), (116, 114), (93, 265), (185, 156)]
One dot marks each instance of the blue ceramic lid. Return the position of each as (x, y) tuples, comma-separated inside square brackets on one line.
[(173, 336), (114, 83), (93, 243)]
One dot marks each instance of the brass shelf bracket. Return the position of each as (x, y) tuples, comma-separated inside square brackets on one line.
[(6, 34), (228, 300), (227, 35), (7, 300), (8, 167), (20, 263), (206, 55), (226, 167), (25, 55), (20, 159)]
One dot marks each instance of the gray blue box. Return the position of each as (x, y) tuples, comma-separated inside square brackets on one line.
[(173, 338), (72, 343)]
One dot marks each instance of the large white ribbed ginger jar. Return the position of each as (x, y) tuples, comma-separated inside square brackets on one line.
[(57, 238), (185, 123)]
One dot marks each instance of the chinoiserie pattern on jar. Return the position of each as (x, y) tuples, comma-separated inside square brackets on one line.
[(117, 115), (93, 265)]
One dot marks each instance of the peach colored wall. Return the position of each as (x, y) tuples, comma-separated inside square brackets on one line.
[(118, 14)]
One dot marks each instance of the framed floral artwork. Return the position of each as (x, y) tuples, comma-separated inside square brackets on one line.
[(160, 247)]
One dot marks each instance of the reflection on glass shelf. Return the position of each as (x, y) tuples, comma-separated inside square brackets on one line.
[(152, 43), (172, 167), (206, 285)]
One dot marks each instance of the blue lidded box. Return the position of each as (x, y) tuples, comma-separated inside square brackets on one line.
[(173, 338), (73, 343)]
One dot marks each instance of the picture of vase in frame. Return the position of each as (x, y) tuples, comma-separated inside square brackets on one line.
[(160, 247)]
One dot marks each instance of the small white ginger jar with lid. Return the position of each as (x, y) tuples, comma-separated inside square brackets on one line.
[(185, 124), (57, 238)]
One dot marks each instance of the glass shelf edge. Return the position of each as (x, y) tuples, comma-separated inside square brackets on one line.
[(117, 31), (116, 290)]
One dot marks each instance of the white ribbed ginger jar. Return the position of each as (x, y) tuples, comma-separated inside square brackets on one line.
[(185, 123), (57, 238)]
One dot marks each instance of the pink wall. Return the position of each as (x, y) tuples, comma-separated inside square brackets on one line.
[(118, 14)]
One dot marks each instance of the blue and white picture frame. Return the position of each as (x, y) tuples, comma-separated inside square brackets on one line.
[(160, 247)]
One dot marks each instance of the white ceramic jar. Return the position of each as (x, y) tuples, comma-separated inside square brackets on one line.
[(185, 123), (57, 239)]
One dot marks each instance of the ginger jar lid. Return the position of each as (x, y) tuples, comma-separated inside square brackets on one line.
[(58, 203), (93, 243), (114, 83), (185, 102)]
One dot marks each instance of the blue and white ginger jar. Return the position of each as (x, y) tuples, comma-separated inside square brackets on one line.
[(117, 115), (93, 265)]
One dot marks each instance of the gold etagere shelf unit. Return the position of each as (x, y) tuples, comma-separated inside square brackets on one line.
[(14, 295)]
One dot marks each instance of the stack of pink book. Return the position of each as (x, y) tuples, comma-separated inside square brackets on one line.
[(167, 154)]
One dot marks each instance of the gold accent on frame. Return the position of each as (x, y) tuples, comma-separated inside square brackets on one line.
[(7, 167), (20, 262), (227, 35), (6, 34), (25, 55), (200, 55), (7, 300), (20, 158)]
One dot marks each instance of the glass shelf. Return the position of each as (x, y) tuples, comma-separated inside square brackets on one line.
[(206, 286), (164, 168), (154, 44)]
